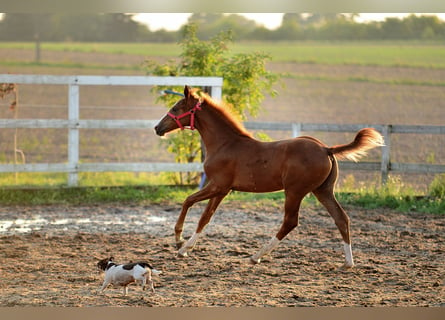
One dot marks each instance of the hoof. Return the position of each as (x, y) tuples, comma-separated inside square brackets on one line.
[(179, 244), (347, 266), (254, 261), (182, 253)]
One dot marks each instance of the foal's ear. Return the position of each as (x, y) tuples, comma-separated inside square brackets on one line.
[(187, 91)]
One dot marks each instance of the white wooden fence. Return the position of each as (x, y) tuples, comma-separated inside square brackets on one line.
[(74, 124)]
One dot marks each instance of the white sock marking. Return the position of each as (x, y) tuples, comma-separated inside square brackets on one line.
[(272, 244), (189, 244), (348, 254)]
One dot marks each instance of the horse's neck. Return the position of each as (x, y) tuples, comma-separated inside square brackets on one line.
[(214, 129)]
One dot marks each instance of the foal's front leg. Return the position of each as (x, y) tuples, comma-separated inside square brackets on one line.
[(207, 192), (202, 194), (203, 221)]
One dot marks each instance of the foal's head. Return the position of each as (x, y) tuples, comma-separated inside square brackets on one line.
[(181, 115)]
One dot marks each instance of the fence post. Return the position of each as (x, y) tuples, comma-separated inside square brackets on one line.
[(386, 153), (296, 130), (73, 133), (37, 47), (216, 93)]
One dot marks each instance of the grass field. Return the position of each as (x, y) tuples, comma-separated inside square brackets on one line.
[(375, 83), (409, 54)]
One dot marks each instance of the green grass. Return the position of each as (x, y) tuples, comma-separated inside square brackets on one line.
[(149, 188), (93, 195), (334, 78), (353, 53), (383, 197), (144, 49), (86, 179), (401, 53), (397, 202), (68, 65)]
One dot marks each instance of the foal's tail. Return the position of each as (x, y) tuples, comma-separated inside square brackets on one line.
[(365, 140)]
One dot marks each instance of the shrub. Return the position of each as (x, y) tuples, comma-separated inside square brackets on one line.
[(437, 186)]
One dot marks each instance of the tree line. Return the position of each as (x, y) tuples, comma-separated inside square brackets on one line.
[(120, 27)]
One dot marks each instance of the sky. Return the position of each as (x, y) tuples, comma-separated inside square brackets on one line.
[(173, 21)]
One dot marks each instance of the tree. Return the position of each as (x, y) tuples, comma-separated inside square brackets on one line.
[(119, 27), (394, 28), (246, 80), (210, 24), (77, 27), (72, 27), (290, 28), (25, 27), (422, 27)]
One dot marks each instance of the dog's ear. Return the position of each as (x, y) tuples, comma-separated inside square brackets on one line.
[(111, 258), (102, 264)]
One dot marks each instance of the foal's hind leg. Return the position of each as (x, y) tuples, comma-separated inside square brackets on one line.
[(327, 198)]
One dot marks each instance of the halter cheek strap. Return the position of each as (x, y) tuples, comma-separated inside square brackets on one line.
[(190, 113)]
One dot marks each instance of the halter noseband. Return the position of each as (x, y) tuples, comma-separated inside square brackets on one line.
[(191, 112)]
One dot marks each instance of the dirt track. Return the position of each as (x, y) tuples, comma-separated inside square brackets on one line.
[(48, 256)]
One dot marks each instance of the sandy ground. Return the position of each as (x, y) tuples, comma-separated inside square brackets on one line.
[(48, 256)]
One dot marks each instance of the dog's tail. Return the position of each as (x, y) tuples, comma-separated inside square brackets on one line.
[(156, 272), (147, 265)]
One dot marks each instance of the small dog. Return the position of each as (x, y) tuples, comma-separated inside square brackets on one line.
[(124, 274)]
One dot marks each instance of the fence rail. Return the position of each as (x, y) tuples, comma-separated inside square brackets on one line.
[(73, 124)]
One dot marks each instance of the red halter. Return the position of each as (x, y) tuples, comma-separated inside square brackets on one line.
[(191, 112)]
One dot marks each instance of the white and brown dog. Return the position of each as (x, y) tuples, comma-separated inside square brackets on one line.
[(124, 274)]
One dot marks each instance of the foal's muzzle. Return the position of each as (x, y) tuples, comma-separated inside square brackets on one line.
[(159, 131)]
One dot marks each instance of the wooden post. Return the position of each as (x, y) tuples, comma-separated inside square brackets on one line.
[(386, 156), (37, 48), (296, 130), (73, 134)]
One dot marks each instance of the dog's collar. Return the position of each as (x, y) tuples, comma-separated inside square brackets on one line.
[(110, 264)]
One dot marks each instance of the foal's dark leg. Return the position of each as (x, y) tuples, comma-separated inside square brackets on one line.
[(207, 192), (203, 221), (290, 221), (327, 198), (325, 194), (336, 211)]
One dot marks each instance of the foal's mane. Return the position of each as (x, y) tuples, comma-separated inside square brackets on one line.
[(224, 112)]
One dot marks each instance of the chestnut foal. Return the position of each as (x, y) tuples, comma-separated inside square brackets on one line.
[(236, 161)]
